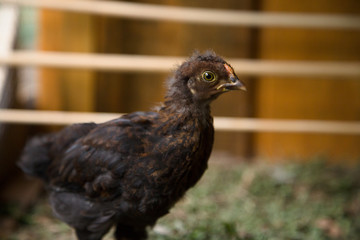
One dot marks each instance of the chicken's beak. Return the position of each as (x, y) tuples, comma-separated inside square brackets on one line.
[(234, 84)]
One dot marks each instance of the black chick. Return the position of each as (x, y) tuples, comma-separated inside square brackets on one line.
[(130, 171)]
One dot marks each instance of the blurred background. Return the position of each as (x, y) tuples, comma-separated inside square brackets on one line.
[(300, 61)]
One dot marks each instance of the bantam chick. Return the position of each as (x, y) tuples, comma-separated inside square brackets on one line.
[(130, 171)]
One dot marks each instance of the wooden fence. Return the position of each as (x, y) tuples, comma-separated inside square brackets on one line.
[(140, 63)]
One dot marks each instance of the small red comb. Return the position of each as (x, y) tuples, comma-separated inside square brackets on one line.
[(229, 69)]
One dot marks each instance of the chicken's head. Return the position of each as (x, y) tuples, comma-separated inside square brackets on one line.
[(203, 78)]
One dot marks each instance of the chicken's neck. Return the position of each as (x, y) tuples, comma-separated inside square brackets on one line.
[(181, 109)]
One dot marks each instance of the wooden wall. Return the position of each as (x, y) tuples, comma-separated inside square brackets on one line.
[(309, 98)]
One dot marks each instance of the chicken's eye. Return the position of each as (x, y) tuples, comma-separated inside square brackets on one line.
[(209, 76)]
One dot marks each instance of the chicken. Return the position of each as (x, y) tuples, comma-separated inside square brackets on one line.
[(130, 171)]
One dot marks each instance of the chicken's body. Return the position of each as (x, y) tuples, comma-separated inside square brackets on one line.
[(129, 171)]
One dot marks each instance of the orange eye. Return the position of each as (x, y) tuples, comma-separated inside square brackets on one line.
[(209, 76)]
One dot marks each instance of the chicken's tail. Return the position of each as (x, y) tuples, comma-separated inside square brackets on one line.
[(36, 158)]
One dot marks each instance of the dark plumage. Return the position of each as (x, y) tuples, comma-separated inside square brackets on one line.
[(130, 171)]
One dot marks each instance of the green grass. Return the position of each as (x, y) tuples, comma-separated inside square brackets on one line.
[(255, 201)]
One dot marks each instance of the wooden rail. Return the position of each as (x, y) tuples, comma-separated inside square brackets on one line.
[(142, 63), (197, 15), (221, 123)]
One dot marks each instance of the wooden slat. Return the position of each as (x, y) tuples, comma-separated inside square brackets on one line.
[(196, 15), (43, 117), (221, 123), (142, 63)]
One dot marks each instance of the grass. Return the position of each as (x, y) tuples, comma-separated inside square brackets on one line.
[(248, 201)]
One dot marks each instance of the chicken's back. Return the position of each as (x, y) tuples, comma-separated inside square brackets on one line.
[(40, 151)]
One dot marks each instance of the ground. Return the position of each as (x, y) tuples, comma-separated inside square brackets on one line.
[(312, 200)]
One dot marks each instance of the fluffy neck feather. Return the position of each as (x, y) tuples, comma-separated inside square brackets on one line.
[(178, 103)]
